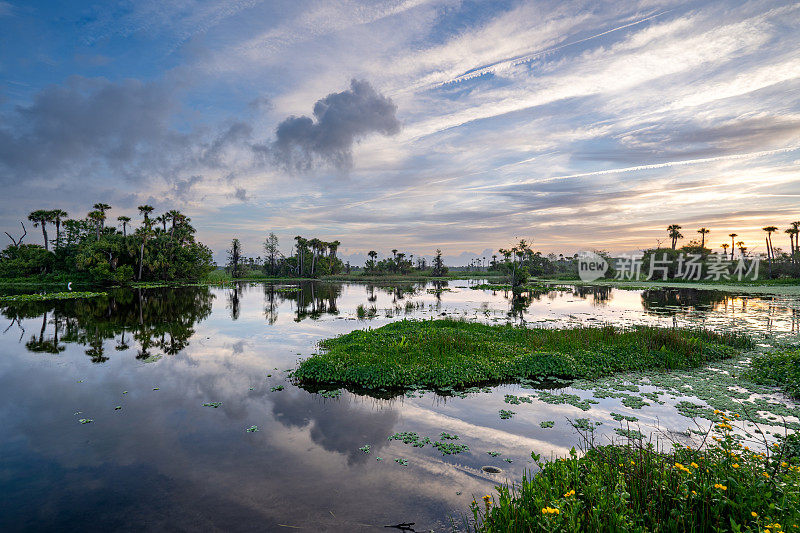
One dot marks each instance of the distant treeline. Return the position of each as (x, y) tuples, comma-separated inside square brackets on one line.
[(310, 258), (160, 248)]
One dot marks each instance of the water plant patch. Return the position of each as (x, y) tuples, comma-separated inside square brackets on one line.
[(436, 354)]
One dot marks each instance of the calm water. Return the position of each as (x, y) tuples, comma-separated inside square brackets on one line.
[(165, 462)]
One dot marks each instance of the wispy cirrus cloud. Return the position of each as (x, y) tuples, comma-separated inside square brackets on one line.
[(517, 117)]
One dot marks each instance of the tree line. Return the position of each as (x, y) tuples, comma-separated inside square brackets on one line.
[(309, 258), (779, 262), (160, 248)]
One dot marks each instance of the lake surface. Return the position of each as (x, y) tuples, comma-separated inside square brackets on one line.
[(142, 363)]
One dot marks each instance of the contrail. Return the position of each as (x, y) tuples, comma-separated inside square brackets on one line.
[(480, 71), (750, 155)]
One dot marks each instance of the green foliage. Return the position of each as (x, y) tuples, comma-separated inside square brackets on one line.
[(437, 354), (88, 249), (780, 368), (635, 487), (50, 296), (25, 260)]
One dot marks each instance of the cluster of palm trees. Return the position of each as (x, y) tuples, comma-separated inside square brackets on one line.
[(97, 218), (164, 246), (318, 249), (41, 217), (397, 264), (674, 233)]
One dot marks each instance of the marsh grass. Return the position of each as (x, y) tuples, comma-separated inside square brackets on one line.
[(439, 354), (633, 486)]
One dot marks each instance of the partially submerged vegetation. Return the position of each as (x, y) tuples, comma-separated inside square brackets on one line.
[(636, 487), (436, 354), (50, 296), (780, 368)]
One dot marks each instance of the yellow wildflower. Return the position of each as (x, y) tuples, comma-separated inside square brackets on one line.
[(694, 465), (720, 487), (784, 464), (754, 514), (765, 475), (735, 465), (570, 493)]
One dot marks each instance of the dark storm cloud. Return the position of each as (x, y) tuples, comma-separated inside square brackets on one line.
[(340, 120), (90, 125)]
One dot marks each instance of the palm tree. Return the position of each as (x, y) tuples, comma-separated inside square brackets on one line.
[(146, 229), (742, 248), (732, 236), (703, 232), (41, 217), (796, 233), (145, 211), (300, 246), (175, 216), (124, 221), (333, 247), (102, 208), (770, 252), (674, 232), (315, 246), (724, 246), (96, 217), (56, 216)]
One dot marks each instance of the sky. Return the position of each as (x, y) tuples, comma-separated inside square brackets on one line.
[(416, 124)]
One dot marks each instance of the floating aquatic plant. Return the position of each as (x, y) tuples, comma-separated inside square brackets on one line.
[(252, 429), (410, 437), (505, 414), (72, 295), (517, 400), (215, 405), (435, 354)]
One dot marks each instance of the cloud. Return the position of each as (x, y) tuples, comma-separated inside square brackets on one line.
[(241, 194), (182, 187), (340, 120), (91, 125)]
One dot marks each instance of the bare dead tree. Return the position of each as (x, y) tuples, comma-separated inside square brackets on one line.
[(18, 242)]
